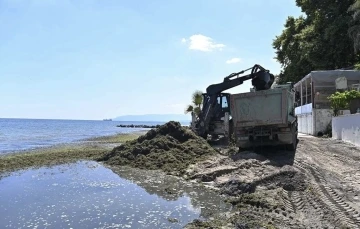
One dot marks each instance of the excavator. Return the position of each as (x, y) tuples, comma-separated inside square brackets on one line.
[(214, 118)]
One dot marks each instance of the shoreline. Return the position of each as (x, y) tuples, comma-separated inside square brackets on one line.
[(112, 138), (189, 158), (85, 149), (91, 149), (109, 138)]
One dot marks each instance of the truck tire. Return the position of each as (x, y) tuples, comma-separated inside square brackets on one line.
[(292, 146)]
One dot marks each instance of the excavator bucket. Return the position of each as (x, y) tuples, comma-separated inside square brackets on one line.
[(263, 80)]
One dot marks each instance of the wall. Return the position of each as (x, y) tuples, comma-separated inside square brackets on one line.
[(305, 123), (322, 119), (347, 128), (321, 100), (315, 122), (304, 109)]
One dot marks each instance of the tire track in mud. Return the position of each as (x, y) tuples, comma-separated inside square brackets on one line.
[(346, 159), (319, 205), (298, 201), (328, 198), (313, 202), (304, 207), (310, 206), (288, 203), (278, 216), (325, 149)]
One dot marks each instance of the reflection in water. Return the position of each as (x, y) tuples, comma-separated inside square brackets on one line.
[(172, 188), (88, 195)]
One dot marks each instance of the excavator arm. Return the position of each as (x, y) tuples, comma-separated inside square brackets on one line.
[(261, 80)]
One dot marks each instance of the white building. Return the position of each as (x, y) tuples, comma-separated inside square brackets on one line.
[(313, 111)]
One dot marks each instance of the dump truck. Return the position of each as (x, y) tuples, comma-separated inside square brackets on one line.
[(263, 118)]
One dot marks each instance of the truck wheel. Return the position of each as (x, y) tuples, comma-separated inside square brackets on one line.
[(292, 146)]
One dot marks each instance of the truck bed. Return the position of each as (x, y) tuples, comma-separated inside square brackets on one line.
[(260, 108)]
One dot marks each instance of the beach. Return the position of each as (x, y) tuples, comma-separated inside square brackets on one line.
[(197, 185), (70, 171)]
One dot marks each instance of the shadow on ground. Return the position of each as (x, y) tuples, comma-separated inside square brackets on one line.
[(276, 155)]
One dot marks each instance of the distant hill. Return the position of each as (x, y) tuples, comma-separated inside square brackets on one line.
[(154, 118)]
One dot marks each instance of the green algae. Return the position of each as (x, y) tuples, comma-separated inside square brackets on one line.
[(169, 147), (94, 149)]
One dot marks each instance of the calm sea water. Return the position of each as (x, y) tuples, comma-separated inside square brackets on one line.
[(25, 134), (88, 195)]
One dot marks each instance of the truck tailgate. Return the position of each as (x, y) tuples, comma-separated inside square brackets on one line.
[(268, 107)]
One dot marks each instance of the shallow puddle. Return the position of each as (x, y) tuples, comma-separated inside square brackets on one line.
[(89, 195)]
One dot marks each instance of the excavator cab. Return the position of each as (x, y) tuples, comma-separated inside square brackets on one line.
[(223, 104)]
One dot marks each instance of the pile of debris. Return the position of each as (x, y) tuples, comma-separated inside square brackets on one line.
[(169, 147)]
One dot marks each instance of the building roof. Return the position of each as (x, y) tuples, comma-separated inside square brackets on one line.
[(330, 76)]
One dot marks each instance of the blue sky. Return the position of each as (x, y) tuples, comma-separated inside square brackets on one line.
[(95, 59)]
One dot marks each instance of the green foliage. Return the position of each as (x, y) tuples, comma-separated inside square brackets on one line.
[(317, 40), (354, 31), (189, 108), (197, 100), (341, 100), (357, 66), (353, 94), (338, 101), (197, 110)]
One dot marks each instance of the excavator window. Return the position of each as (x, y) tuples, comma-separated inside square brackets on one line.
[(224, 102)]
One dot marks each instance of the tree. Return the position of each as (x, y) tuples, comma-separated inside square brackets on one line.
[(197, 100), (289, 50), (354, 31), (319, 40)]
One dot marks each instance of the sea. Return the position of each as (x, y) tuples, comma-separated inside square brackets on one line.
[(88, 194), (27, 134)]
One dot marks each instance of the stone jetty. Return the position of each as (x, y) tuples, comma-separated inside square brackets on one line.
[(138, 126)]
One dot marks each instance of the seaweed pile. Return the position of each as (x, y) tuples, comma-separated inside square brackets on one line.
[(169, 147)]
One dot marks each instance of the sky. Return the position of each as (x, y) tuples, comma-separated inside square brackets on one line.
[(95, 59)]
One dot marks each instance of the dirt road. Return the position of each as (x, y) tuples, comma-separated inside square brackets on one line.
[(318, 186)]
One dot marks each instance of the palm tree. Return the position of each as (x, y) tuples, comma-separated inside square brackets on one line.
[(197, 100), (354, 31)]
